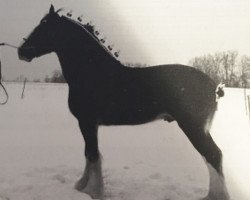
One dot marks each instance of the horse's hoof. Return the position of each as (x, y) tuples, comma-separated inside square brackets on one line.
[(81, 184), (95, 192)]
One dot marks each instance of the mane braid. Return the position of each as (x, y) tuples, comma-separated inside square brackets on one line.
[(89, 29), (59, 10)]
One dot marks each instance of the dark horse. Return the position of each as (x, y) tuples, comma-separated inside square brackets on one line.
[(102, 91)]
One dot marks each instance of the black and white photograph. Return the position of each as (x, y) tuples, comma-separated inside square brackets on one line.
[(124, 100)]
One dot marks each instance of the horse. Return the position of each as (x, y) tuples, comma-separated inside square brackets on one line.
[(103, 91)]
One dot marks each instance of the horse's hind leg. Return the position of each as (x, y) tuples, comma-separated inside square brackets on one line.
[(213, 157), (204, 144), (91, 182)]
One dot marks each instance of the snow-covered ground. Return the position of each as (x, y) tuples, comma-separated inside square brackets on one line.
[(41, 151)]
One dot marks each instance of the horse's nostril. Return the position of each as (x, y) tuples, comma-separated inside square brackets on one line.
[(25, 39)]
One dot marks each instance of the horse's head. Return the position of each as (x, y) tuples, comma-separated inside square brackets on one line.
[(41, 40)]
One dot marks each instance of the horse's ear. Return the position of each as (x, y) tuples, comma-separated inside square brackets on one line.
[(52, 9)]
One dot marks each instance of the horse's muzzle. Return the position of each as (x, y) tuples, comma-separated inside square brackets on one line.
[(25, 54)]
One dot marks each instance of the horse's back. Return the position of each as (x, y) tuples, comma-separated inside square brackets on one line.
[(175, 82)]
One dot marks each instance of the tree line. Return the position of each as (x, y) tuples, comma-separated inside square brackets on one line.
[(57, 77), (227, 67)]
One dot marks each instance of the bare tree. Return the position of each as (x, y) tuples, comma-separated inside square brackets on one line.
[(208, 64), (229, 64), (137, 64), (57, 77), (245, 71), (222, 66)]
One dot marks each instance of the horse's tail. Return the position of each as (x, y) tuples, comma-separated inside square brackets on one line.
[(219, 92)]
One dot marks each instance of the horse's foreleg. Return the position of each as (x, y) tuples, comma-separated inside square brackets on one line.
[(91, 182)]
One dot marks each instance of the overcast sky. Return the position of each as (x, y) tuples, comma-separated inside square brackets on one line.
[(146, 31)]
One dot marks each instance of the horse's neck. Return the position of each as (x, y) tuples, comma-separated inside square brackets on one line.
[(79, 60)]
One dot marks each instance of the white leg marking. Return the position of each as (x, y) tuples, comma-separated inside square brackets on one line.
[(91, 182), (217, 187)]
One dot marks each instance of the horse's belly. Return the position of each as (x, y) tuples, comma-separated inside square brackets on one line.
[(134, 117)]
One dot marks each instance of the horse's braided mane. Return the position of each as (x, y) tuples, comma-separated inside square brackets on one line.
[(91, 29)]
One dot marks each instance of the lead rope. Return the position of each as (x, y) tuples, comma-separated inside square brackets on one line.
[(1, 84)]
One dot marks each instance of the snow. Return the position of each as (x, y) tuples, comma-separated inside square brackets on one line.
[(41, 151)]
